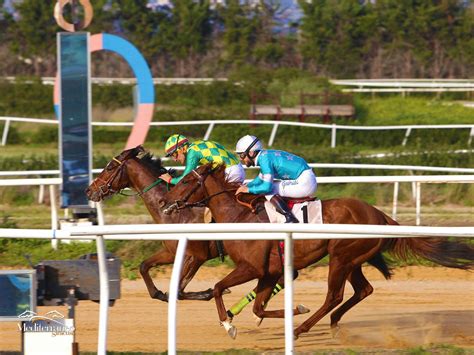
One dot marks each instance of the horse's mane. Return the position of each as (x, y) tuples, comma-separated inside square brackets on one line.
[(153, 163)]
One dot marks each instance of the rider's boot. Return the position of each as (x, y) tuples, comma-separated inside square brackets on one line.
[(282, 207)]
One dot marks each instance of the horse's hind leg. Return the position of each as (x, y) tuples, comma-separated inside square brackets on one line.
[(163, 257), (191, 265), (265, 288), (338, 273), (362, 289)]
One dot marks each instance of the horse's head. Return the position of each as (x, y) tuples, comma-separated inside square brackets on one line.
[(114, 176), (188, 191)]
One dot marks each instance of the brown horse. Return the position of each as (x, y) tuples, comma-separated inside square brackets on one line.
[(126, 170), (260, 259), (141, 174)]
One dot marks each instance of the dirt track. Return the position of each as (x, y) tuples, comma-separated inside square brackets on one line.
[(418, 307)]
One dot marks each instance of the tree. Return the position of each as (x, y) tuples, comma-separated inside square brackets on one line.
[(191, 33), (33, 35)]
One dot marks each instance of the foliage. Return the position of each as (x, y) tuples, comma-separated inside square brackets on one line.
[(335, 38)]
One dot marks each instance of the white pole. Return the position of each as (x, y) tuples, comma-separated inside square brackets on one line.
[(288, 293), (273, 134), (471, 134), (407, 134), (173, 295), (395, 200), (333, 136), (41, 194), (104, 296), (54, 214), (209, 131), (5, 132), (100, 214), (418, 203)]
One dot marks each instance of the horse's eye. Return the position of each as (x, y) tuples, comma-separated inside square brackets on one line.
[(184, 182)]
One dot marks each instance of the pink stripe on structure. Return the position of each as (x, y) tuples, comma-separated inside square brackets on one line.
[(142, 124), (96, 42)]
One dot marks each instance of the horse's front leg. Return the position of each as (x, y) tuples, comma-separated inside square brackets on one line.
[(163, 257), (241, 274)]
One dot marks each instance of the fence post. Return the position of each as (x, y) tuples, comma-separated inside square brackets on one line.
[(289, 333), (333, 135), (54, 214), (418, 203), (209, 131), (173, 294), (407, 134), (104, 296), (395, 200), (471, 134), (273, 134), (5, 132)]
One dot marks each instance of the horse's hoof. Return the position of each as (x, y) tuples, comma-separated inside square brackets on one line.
[(231, 330), (302, 309), (159, 295), (257, 320), (225, 292), (335, 330), (295, 336)]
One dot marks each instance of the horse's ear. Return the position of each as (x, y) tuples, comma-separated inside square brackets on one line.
[(138, 149)]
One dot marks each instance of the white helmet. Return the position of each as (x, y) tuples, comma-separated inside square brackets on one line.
[(248, 144)]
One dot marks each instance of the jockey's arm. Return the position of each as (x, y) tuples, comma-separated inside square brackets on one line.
[(192, 162), (262, 184)]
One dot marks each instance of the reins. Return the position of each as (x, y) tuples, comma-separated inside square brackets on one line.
[(146, 189), (183, 203), (107, 184)]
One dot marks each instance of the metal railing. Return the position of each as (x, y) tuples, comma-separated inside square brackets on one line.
[(223, 231), (416, 181), (276, 124)]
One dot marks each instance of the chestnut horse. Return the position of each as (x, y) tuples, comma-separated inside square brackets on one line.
[(141, 174), (126, 170), (260, 259)]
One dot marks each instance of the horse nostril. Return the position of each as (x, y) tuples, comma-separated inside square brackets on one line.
[(161, 203)]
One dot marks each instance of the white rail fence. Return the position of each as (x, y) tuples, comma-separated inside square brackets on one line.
[(405, 86), (276, 124), (286, 232), (416, 181)]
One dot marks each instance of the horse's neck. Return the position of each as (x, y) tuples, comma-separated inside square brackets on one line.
[(224, 207), (142, 177)]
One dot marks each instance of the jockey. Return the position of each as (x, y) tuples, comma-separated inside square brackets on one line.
[(297, 179), (199, 153)]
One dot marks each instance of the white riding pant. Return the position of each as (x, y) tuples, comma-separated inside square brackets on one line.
[(304, 185), (235, 173)]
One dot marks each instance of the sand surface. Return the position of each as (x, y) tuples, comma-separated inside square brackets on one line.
[(420, 306)]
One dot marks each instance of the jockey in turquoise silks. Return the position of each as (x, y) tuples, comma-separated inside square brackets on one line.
[(297, 179), (201, 152)]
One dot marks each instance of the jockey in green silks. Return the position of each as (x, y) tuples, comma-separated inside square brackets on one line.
[(201, 152)]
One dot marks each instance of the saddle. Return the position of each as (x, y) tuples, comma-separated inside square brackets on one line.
[(256, 202)]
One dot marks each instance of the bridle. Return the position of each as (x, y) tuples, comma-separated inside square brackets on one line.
[(183, 202), (105, 187)]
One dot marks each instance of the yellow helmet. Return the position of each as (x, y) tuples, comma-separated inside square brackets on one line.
[(174, 142)]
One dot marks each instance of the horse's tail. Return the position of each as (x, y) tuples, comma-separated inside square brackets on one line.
[(453, 254), (380, 264)]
